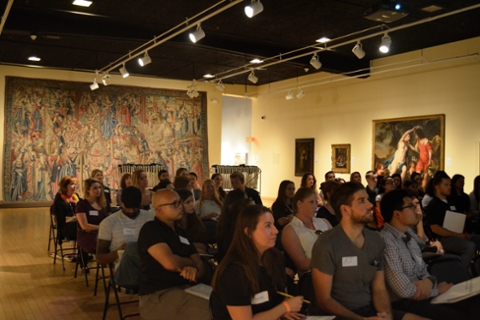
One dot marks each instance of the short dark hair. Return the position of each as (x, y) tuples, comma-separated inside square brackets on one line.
[(193, 174), (438, 177), (131, 197), (414, 175), (327, 188), (369, 174), (161, 172), (392, 201), (181, 182), (343, 195), (238, 175), (326, 174)]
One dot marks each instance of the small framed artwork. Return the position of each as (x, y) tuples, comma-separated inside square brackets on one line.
[(341, 158), (303, 156)]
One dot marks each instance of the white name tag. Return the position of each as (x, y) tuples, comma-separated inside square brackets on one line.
[(106, 191), (453, 208), (184, 240), (93, 213), (349, 262), (260, 297), (128, 231)]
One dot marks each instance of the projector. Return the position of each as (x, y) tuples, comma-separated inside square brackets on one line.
[(386, 11)]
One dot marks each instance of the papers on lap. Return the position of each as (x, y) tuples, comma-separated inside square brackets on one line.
[(459, 292), (320, 317), (454, 221), (200, 290)]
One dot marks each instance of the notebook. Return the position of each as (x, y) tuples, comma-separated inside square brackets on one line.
[(200, 290), (454, 221), (459, 292)]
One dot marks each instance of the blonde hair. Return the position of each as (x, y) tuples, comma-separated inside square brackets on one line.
[(216, 197), (136, 177), (88, 184)]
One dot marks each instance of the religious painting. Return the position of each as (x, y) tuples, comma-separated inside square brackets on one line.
[(303, 156), (59, 128), (341, 158), (408, 145)]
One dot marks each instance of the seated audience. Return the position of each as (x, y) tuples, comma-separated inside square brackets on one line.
[(217, 177), (194, 185), (140, 180), (182, 182), (386, 185), (246, 282), (309, 181), (169, 263), (371, 188), (64, 206), (98, 174), (125, 181), (347, 261), (397, 179), (209, 205), (475, 197), (459, 198), (299, 236), (417, 178), (356, 177), (326, 212), (238, 183), (162, 176), (429, 193), (119, 231), (190, 222), (410, 286), (181, 172), (463, 244), (282, 208), (90, 212)]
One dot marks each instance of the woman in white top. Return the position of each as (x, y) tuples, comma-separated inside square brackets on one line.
[(299, 236), (209, 206)]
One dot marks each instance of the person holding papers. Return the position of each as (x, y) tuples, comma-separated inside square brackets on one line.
[(409, 284), (463, 244), (250, 280)]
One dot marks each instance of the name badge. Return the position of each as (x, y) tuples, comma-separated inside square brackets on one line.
[(453, 208), (93, 213), (106, 191), (349, 262), (184, 240), (260, 297), (128, 231)]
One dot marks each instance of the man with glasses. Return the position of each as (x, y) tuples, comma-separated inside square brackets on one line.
[(170, 263), (410, 286), (119, 233)]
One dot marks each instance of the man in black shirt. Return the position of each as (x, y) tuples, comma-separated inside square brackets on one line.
[(371, 188), (462, 244), (238, 183), (169, 264)]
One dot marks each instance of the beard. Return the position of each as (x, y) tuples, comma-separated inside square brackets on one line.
[(363, 219)]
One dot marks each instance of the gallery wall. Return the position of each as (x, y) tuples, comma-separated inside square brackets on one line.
[(428, 82)]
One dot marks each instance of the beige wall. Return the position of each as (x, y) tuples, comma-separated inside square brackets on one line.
[(214, 100), (342, 112)]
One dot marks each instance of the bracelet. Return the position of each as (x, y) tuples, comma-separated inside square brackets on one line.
[(287, 306)]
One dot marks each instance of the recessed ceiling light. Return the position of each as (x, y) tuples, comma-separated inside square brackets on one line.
[(34, 58), (208, 76), (323, 40), (256, 61), (432, 8), (82, 3)]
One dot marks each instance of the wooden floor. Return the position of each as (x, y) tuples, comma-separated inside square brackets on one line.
[(31, 287)]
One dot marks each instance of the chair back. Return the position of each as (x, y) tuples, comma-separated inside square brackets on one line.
[(448, 268)]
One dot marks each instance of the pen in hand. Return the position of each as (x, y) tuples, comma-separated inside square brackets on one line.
[(289, 296)]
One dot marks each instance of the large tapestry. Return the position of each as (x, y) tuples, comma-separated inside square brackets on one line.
[(59, 128)]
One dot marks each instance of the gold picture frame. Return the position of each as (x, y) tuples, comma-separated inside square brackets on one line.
[(341, 158)]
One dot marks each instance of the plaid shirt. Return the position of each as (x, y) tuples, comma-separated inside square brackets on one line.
[(404, 263)]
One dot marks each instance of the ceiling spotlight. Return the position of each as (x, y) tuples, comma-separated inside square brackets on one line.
[(124, 71), (145, 60), (300, 93), (82, 3), (323, 40), (192, 90), (34, 58), (106, 79), (289, 95), (197, 34), (220, 86), (315, 62), (208, 76), (385, 44), (94, 85), (256, 60), (358, 50), (252, 78), (254, 8)]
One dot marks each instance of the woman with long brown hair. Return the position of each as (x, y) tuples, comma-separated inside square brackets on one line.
[(64, 206), (140, 180), (209, 206), (247, 281)]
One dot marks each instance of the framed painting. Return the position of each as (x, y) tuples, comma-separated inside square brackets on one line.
[(408, 145), (303, 156), (341, 158)]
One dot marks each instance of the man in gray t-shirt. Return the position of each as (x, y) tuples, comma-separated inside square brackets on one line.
[(347, 261)]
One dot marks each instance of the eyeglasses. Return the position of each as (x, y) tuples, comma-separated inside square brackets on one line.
[(411, 206), (175, 204)]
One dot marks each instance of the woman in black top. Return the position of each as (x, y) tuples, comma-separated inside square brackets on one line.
[(247, 280), (64, 206), (327, 212), (282, 208)]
